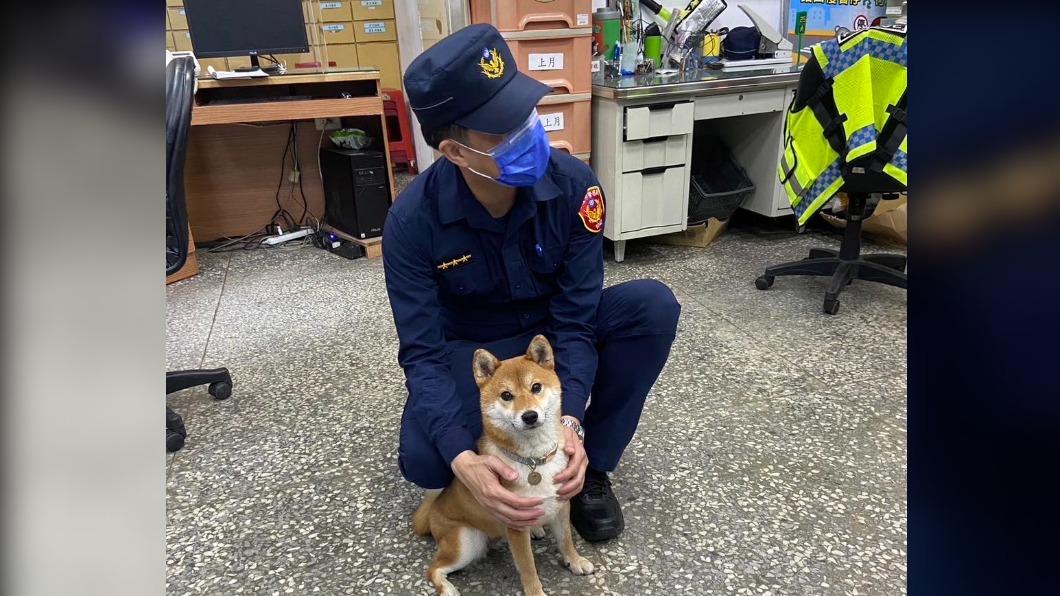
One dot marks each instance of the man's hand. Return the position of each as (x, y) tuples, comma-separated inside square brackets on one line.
[(572, 477), (480, 474)]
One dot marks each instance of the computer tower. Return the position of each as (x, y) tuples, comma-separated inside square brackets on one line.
[(356, 191)]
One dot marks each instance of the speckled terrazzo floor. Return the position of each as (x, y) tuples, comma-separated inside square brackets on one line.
[(770, 458)]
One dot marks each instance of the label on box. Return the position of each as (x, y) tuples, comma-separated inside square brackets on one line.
[(552, 121), (891, 11), (596, 66), (181, 12), (583, 18), (371, 3), (375, 27), (331, 5), (333, 27), (546, 61)]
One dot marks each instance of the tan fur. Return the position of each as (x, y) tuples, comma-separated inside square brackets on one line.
[(454, 518)]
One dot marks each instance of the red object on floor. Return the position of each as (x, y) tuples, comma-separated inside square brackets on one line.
[(399, 130)]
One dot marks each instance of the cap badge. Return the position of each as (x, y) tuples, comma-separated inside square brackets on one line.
[(494, 68)]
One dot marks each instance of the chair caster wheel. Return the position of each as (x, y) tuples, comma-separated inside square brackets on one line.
[(174, 441), (220, 389), (831, 307), (764, 282)]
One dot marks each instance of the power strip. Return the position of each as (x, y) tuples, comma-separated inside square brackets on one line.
[(287, 237)]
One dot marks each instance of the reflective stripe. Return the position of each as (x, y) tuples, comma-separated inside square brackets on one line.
[(821, 191), (792, 178), (840, 59)]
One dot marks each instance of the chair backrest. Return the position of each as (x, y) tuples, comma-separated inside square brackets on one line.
[(180, 89)]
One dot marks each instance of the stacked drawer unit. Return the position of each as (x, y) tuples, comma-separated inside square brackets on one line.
[(643, 155), (342, 34), (357, 34), (552, 42)]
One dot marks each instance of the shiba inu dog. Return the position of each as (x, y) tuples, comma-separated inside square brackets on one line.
[(520, 400)]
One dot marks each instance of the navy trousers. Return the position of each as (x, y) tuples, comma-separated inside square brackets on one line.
[(635, 327)]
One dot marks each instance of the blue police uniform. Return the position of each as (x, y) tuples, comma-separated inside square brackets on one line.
[(459, 279)]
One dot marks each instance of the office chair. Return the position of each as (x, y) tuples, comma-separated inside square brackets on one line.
[(180, 89), (863, 177)]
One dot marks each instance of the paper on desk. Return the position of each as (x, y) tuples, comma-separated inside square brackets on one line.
[(230, 74)]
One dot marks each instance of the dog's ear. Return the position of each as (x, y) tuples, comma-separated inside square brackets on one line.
[(484, 364), (540, 351)]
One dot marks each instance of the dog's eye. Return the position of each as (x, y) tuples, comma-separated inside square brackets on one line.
[(507, 396), (536, 388)]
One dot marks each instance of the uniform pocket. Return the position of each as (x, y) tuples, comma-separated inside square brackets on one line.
[(546, 261)]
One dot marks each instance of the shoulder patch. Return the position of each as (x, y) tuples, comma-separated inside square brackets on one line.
[(592, 210)]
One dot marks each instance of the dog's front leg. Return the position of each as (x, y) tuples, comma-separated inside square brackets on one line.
[(560, 526), (523, 553)]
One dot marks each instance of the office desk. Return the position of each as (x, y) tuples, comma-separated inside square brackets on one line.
[(642, 142), (234, 148)]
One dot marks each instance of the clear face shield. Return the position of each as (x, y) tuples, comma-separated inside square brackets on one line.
[(522, 156)]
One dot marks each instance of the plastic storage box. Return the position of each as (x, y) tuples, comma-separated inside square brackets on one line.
[(526, 15)]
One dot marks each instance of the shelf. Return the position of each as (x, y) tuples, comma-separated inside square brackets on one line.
[(235, 113)]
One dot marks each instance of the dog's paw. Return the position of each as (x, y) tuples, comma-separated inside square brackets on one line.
[(536, 593), (449, 590), (537, 533), (579, 565)]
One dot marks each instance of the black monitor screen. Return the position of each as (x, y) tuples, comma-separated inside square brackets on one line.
[(246, 27)]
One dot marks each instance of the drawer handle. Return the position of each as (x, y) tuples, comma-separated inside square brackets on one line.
[(654, 140), (652, 171)]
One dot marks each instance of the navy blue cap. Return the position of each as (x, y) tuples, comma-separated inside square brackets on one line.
[(470, 79)]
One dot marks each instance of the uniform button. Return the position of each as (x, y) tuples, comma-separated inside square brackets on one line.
[(526, 316), (517, 286)]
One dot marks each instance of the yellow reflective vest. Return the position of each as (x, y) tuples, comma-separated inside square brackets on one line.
[(847, 118)]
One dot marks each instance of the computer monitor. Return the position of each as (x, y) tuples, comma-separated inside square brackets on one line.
[(246, 28)]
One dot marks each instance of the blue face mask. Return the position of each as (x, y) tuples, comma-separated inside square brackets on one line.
[(522, 157)]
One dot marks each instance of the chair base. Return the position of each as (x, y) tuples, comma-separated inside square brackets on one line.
[(844, 265), (220, 387)]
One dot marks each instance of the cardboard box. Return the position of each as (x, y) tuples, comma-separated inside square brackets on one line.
[(174, 2), (889, 221), (699, 236), (169, 26), (182, 41), (177, 18), (368, 31), (341, 56), (372, 10), (384, 56), (171, 45), (336, 32), (332, 12)]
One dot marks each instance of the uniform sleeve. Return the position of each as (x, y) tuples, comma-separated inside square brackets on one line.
[(413, 293), (573, 311)]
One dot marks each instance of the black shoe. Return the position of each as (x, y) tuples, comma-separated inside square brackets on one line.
[(595, 511)]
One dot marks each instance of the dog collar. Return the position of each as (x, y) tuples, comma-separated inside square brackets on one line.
[(532, 462)]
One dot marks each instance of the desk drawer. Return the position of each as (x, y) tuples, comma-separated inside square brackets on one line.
[(652, 198), (738, 104), (644, 122), (653, 153)]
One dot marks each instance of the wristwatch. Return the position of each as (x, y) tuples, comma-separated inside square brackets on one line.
[(573, 424)]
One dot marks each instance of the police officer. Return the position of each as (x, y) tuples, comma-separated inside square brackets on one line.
[(495, 243)]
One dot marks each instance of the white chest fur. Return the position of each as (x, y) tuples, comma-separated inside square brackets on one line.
[(546, 489)]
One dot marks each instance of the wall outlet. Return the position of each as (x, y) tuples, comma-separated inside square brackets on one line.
[(327, 123)]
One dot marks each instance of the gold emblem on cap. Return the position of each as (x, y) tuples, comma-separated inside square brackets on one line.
[(494, 69)]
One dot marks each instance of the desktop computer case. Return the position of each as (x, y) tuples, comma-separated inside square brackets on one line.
[(356, 191)]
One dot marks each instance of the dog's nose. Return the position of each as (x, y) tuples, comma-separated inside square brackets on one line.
[(529, 417)]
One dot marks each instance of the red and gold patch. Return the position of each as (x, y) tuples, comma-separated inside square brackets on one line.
[(592, 210)]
